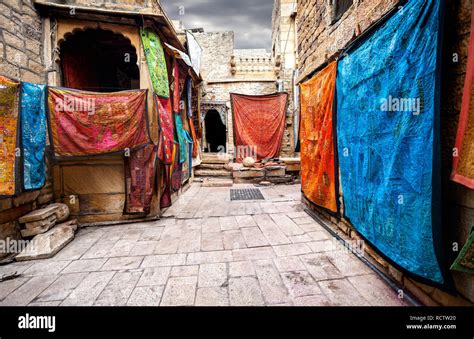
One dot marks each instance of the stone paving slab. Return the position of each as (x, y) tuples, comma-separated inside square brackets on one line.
[(206, 251)]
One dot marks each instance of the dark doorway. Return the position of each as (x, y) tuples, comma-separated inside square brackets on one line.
[(216, 134), (99, 60)]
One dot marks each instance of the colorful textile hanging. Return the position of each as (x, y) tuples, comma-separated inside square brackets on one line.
[(176, 173), (155, 57), (317, 139), (195, 51), (89, 123), (9, 97), (181, 134), (165, 200), (165, 121), (463, 164), (193, 136), (189, 95), (140, 174), (465, 260), (33, 135), (187, 164), (259, 123), (175, 87), (388, 138)]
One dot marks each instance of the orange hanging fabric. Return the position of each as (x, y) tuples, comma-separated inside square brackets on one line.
[(317, 139), (259, 124)]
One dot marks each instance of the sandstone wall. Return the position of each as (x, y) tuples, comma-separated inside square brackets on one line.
[(459, 202), (217, 48), (21, 57), (319, 40)]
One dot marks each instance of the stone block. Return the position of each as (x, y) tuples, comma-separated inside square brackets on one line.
[(293, 167), (47, 222), (275, 171), (6, 203), (251, 173), (62, 211), (25, 198), (46, 245), (38, 215)]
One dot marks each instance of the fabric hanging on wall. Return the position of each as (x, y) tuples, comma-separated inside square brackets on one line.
[(318, 179), (189, 95), (463, 163), (181, 135), (187, 164), (465, 260), (195, 52), (165, 200), (194, 138), (33, 135), (89, 123), (165, 121), (155, 57), (259, 124), (196, 107), (9, 108), (176, 173), (175, 86), (388, 127), (140, 174)]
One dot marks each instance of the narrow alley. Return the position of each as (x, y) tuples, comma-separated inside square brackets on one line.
[(206, 251), (237, 153)]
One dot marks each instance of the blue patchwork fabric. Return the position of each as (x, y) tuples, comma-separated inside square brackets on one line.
[(387, 116)]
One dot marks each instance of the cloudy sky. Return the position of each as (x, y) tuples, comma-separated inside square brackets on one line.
[(251, 20)]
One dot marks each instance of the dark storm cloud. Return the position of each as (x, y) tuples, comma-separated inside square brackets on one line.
[(251, 20)]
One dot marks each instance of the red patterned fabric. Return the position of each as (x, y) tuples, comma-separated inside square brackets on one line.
[(463, 163), (90, 123), (140, 174), (175, 86), (165, 119), (259, 124)]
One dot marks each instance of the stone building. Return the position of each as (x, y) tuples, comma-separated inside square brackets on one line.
[(227, 70), (286, 61), (326, 28), (101, 41)]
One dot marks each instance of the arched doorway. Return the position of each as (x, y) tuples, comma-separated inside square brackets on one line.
[(216, 134), (99, 60)]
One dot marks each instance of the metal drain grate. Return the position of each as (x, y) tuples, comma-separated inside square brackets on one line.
[(246, 194)]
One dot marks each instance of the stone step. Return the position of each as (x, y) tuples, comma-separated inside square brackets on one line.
[(215, 158), (211, 182), (213, 173), (212, 166)]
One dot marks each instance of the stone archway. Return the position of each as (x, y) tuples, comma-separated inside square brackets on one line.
[(215, 126), (99, 60)]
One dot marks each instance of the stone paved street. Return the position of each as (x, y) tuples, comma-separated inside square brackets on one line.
[(206, 251)]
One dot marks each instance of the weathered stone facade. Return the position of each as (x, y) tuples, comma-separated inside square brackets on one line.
[(227, 70), (285, 57), (320, 40), (21, 58), (459, 205)]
